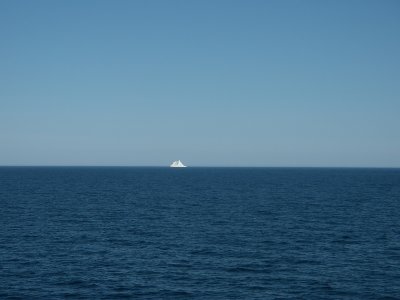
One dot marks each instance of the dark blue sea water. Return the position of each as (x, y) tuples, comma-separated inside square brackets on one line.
[(201, 233)]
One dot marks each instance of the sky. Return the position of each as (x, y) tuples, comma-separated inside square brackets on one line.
[(212, 83)]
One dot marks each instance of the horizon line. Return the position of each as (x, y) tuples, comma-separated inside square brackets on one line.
[(199, 166)]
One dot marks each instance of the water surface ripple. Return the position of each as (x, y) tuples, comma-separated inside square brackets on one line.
[(199, 233)]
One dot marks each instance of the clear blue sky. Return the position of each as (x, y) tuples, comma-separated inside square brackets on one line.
[(227, 83)]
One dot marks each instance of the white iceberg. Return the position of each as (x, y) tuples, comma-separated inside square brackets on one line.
[(177, 164)]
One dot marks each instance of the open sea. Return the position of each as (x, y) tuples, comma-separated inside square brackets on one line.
[(199, 233)]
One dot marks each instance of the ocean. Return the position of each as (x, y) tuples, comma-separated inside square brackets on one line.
[(199, 233)]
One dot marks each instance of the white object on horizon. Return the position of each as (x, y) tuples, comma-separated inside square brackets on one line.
[(177, 164)]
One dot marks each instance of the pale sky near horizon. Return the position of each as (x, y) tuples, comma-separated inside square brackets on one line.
[(212, 83)]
